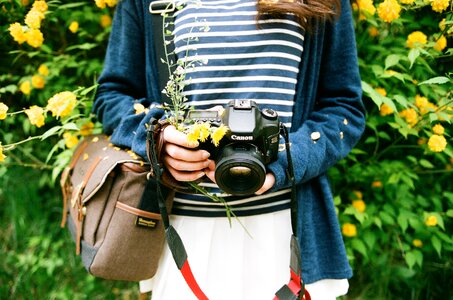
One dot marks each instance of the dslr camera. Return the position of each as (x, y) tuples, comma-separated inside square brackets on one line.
[(250, 144)]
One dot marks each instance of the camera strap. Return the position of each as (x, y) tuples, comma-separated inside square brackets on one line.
[(294, 289)]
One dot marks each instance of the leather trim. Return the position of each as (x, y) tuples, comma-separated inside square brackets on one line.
[(138, 212)]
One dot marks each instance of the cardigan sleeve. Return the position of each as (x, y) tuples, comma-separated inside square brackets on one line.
[(122, 82), (337, 117)]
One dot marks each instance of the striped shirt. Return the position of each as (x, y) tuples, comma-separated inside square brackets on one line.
[(230, 56)]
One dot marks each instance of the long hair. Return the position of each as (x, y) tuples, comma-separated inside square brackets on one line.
[(306, 11)]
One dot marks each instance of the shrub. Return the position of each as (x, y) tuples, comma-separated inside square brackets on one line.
[(393, 192)]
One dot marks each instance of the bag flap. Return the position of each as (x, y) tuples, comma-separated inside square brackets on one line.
[(94, 159)]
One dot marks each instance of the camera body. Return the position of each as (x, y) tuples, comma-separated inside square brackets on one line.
[(250, 144)]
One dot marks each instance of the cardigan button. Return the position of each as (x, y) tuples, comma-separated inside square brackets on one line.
[(315, 136)]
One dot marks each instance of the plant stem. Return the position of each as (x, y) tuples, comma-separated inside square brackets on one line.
[(229, 211)]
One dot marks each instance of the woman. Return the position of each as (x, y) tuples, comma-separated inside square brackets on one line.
[(298, 58)]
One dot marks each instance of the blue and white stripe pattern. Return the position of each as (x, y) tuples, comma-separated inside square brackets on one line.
[(234, 56)]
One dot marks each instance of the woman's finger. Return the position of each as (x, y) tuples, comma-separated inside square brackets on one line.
[(182, 165), (181, 153), (185, 176), (268, 184), (174, 136)]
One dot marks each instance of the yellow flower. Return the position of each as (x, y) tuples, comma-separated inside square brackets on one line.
[(359, 205), (389, 10), (417, 243), (193, 134), (381, 91), (218, 134), (416, 39), (438, 129), (62, 104), (2, 156), (421, 101), (87, 129), (204, 131), (105, 21), (431, 221), (70, 140), (38, 82), (43, 70), (377, 184), (40, 6), (424, 105), (442, 24), (111, 3), (3, 110), (373, 31), (35, 115), (100, 3), (25, 87), (357, 194), (407, 1), (439, 5), (349, 230), (410, 115), (437, 143), (33, 19), (385, 110), (34, 38), (17, 32), (441, 43), (74, 26), (367, 7)]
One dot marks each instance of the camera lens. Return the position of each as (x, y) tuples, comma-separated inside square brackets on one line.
[(240, 169)]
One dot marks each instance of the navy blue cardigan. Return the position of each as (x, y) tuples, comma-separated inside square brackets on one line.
[(328, 102)]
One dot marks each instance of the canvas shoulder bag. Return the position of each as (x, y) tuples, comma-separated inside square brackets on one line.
[(109, 209)]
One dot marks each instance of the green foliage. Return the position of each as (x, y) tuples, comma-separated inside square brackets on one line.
[(393, 192)]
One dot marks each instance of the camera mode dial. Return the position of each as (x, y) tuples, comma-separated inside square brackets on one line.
[(269, 114)]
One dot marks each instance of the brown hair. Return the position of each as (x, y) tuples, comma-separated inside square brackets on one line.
[(306, 11)]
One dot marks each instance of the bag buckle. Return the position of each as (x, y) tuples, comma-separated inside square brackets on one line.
[(162, 6)]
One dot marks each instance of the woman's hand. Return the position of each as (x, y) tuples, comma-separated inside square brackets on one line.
[(181, 159), (269, 181)]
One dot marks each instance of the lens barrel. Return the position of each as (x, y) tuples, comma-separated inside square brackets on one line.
[(240, 169)]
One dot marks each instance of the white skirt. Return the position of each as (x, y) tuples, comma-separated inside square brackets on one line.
[(237, 262)]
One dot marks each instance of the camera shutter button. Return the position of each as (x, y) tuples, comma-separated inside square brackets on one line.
[(269, 113)]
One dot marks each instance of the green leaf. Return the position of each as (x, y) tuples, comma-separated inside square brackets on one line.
[(52, 131), (410, 259), (418, 257), (426, 164), (386, 218), (377, 98), (403, 222), (436, 80), (378, 222), (401, 100), (437, 244), (70, 126), (84, 92), (392, 60), (450, 213), (359, 246), (337, 200), (85, 46), (70, 5), (413, 55)]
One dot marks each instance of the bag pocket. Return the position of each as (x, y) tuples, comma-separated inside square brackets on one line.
[(122, 246)]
